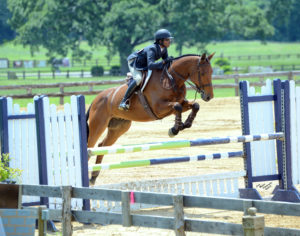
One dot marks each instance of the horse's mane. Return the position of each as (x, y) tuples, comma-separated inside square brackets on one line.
[(186, 55)]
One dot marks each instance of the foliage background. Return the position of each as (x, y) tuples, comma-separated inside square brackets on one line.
[(120, 26)]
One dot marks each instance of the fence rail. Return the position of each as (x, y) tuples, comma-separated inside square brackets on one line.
[(179, 223), (92, 90), (115, 61), (84, 73)]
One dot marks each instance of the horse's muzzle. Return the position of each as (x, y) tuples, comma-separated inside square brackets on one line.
[(206, 97)]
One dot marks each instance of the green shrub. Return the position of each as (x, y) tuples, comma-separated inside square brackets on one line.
[(7, 173), (115, 70), (97, 71), (222, 62), (226, 68)]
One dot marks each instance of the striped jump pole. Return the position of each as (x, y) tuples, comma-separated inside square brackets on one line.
[(159, 161), (182, 143)]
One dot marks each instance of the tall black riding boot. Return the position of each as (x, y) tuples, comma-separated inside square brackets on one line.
[(124, 105)]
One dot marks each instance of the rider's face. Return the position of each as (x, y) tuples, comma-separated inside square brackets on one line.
[(167, 42)]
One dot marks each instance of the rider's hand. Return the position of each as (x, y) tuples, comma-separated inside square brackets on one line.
[(168, 59)]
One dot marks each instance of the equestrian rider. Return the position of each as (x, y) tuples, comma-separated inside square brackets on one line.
[(145, 60)]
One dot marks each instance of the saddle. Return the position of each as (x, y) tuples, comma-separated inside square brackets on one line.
[(145, 79), (143, 100)]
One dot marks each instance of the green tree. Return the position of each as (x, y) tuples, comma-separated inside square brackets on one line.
[(197, 22), (193, 22), (6, 33), (247, 21), (59, 26), (284, 16), (121, 25), (127, 25)]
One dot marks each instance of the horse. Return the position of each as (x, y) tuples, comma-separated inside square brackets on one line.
[(164, 94)]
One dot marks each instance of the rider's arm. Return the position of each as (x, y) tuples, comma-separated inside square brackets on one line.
[(151, 61), (165, 55)]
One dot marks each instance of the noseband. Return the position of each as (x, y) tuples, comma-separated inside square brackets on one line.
[(200, 88)]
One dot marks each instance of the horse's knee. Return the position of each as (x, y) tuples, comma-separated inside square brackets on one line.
[(177, 107), (195, 107)]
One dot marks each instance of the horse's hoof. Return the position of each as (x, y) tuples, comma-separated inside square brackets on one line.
[(172, 132), (181, 126)]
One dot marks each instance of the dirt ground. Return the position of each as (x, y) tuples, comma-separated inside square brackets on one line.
[(217, 118)]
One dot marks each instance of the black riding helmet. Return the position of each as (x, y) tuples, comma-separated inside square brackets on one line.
[(162, 34)]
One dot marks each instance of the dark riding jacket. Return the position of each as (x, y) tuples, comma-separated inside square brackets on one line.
[(145, 58)]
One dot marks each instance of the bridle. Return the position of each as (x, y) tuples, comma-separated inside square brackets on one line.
[(200, 88)]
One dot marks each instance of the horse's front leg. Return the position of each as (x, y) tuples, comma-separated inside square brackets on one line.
[(178, 121), (195, 108)]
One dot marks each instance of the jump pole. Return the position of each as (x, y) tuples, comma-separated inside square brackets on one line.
[(183, 143), (167, 160)]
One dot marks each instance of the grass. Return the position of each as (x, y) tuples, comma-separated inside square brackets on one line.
[(232, 48)]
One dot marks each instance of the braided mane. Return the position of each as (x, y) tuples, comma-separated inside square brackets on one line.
[(186, 55)]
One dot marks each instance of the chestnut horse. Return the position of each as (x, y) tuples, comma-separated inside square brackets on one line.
[(163, 101)]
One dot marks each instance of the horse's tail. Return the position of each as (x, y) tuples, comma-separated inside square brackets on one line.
[(87, 125)]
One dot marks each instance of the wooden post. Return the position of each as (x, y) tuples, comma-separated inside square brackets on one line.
[(290, 76), (53, 74), (82, 73), (68, 75), (178, 215), (253, 225), (126, 217), (20, 196), (42, 223), (247, 204), (23, 74), (236, 81), (66, 210), (39, 74), (61, 98)]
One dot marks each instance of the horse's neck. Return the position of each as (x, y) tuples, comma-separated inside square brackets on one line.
[(180, 73)]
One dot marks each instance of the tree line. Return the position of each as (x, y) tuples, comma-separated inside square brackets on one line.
[(121, 25)]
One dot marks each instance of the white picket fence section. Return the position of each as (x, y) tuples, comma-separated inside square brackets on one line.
[(63, 148), (295, 131), (23, 145), (217, 185), (261, 114)]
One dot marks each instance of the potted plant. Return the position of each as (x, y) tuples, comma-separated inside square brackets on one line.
[(9, 190)]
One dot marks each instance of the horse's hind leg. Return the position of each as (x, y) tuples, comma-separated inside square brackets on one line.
[(116, 128)]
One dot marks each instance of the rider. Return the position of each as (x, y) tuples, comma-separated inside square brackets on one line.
[(145, 60)]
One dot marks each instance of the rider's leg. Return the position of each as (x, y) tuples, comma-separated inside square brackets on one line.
[(137, 78)]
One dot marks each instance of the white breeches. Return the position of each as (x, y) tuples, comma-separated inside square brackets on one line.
[(136, 74)]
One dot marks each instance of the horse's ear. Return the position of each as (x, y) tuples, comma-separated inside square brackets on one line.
[(211, 56), (203, 57)]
